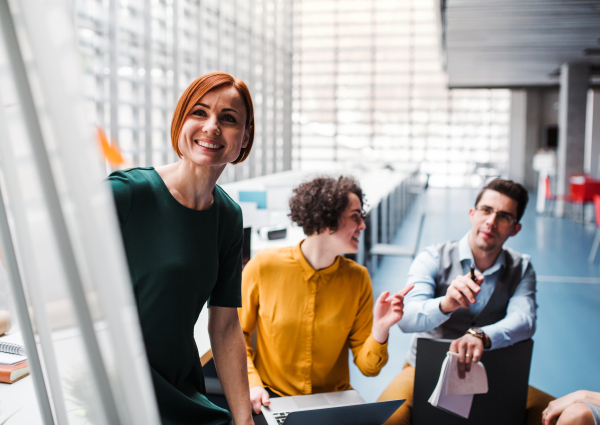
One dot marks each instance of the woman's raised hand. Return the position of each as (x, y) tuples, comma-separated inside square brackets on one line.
[(259, 397), (388, 312)]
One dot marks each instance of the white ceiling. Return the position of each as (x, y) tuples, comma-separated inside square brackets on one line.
[(508, 43)]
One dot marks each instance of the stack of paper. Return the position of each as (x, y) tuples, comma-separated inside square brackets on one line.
[(11, 359), (12, 366), (455, 395)]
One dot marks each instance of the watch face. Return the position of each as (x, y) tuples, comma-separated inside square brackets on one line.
[(477, 331)]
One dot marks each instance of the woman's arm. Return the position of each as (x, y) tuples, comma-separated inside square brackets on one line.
[(5, 323), (388, 311), (248, 314), (229, 353), (369, 334), (558, 406)]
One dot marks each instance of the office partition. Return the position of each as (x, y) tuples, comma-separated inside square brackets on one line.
[(60, 220)]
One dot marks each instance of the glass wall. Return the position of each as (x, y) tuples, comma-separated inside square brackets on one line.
[(370, 90), (139, 56)]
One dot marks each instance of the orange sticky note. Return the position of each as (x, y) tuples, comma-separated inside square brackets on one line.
[(110, 150)]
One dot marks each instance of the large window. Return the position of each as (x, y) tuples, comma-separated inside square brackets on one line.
[(139, 56), (370, 90)]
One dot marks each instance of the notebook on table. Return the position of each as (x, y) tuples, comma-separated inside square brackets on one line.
[(10, 374), (10, 345), (11, 359), (341, 407)]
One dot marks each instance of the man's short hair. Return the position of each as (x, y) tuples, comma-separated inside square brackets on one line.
[(511, 189)]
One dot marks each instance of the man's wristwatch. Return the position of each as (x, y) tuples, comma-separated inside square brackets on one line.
[(478, 333)]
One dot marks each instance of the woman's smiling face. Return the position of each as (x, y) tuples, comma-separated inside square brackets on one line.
[(351, 224), (215, 130)]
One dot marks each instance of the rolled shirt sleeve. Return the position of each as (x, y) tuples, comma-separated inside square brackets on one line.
[(519, 323), (421, 311), (369, 355)]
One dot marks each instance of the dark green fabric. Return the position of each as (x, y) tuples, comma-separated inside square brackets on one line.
[(178, 259)]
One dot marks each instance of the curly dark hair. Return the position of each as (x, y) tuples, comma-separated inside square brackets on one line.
[(317, 205)]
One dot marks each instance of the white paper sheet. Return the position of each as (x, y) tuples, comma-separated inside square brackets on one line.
[(455, 395), (474, 382)]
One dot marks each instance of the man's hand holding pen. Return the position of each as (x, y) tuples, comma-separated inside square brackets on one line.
[(462, 292)]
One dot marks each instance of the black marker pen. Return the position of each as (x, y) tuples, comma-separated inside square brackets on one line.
[(473, 277)]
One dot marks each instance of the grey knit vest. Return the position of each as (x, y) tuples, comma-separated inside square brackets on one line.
[(462, 319)]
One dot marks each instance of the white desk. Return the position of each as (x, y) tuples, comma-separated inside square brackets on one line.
[(294, 235), (22, 392), (377, 185), (201, 336)]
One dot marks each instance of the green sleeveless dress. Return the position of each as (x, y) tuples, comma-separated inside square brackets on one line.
[(178, 259)]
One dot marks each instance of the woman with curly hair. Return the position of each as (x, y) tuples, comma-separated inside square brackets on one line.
[(309, 304)]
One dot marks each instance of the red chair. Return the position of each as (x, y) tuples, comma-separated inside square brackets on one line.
[(551, 199), (583, 189), (597, 239)]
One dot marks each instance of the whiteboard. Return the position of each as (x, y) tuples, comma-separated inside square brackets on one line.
[(63, 228)]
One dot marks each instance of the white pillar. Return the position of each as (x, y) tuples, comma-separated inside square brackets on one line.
[(592, 134), (518, 129), (532, 136), (524, 136), (574, 79)]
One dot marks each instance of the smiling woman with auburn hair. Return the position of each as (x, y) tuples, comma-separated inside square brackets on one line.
[(192, 95), (183, 239)]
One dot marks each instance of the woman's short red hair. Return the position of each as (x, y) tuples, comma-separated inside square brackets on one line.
[(192, 95)]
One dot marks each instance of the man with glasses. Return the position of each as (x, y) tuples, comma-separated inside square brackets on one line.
[(492, 306)]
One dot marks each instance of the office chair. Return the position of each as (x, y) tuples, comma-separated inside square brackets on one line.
[(551, 198)]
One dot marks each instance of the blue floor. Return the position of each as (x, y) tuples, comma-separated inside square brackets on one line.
[(566, 354)]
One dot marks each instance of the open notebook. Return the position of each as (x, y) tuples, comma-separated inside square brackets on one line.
[(10, 341)]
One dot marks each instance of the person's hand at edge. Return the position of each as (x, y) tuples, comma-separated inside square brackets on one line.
[(558, 406), (5, 322), (462, 292), (469, 349), (259, 397), (388, 311)]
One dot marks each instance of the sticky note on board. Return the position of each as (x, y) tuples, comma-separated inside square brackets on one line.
[(110, 151)]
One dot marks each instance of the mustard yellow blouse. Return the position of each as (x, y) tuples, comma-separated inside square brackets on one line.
[(306, 321)]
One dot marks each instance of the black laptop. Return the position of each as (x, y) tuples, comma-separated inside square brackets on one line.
[(360, 414)]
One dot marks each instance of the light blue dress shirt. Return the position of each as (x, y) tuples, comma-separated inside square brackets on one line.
[(422, 312)]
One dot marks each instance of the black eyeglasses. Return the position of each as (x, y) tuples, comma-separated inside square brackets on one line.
[(502, 216)]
